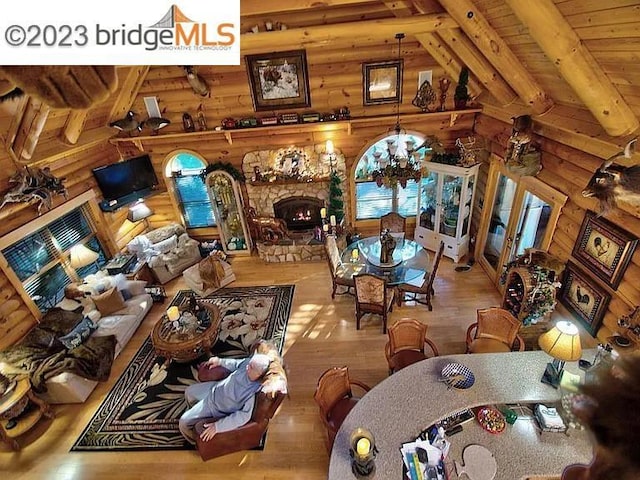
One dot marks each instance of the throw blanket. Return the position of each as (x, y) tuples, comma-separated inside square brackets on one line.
[(42, 356)]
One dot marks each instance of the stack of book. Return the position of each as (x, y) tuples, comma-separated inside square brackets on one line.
[(424, 461), (549, 419)]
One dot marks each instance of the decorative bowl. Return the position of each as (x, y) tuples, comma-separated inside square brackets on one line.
[(458, 376)]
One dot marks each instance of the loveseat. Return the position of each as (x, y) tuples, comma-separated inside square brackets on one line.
[(167, 250), (123, 322)]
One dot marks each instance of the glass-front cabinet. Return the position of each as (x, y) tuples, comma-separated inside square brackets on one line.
[(229, 213), (445, 205)]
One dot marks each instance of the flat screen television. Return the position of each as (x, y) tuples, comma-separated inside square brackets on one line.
[(126, 178)]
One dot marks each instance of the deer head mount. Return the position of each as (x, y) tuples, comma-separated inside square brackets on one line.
[(198, 84), (612, 183)]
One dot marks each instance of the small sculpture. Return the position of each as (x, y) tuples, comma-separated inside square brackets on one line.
[(187, 123), (424, 97), (202, 119), (387, 246), (198, 84), (127, 124), (266, 229), (521, 157), (156, 123), (443, 83)]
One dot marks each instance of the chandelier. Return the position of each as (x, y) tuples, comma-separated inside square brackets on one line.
[(402, 160)]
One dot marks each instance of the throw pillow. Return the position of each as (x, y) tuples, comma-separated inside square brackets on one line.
[(109, 302), (206, 374), (126, 294), (136, 287), (165, 246), (79, 334)]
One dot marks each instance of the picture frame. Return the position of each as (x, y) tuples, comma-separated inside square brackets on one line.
[(278, 80), (584, 298), (382, 82), (604, 248)]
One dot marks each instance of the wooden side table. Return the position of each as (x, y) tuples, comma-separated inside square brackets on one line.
[(16, 405)]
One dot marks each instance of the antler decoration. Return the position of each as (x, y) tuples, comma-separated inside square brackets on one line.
[(34, 185)]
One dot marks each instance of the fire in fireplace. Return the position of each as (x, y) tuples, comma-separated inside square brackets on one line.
[(300, 213)]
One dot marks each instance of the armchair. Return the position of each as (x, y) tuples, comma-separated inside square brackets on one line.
[(167, 250), (495, 330), (407, 344)]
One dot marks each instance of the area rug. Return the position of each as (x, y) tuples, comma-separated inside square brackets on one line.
[(141, 411)]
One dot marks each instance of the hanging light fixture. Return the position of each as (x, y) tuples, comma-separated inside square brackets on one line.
[(402, 160)]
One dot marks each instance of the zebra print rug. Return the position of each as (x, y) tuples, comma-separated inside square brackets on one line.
[(141, 411)]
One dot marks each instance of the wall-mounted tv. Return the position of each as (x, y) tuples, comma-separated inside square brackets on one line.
[(126, 181)]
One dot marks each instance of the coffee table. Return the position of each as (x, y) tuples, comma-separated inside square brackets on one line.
[(190, 338)]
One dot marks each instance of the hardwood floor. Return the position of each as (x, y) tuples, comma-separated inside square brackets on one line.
[(321, 333)]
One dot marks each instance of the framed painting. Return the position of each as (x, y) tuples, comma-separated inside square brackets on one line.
[(382, 82), (278, 80), (584, 298), (604, 248)]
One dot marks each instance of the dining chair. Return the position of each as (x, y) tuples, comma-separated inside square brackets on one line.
[(335, 399), (337, 270), (407, 344), (495, 331), (373, 296), (393, 222), (426, 288)]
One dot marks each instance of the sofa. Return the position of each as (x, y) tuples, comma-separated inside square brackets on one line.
[(167, 250), (122, 323)]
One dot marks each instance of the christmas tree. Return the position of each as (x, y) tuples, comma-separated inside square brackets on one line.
[(336, 205)]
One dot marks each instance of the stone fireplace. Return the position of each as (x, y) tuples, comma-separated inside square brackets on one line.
[(290, 182)]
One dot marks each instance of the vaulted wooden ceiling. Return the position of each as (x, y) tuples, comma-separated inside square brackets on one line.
[(573, 64)]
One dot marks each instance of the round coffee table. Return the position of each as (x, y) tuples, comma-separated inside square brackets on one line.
[(190, 337)]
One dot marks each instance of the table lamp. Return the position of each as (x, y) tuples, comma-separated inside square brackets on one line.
[(562, 342), (362, 450), (81, 256), (138, 212)]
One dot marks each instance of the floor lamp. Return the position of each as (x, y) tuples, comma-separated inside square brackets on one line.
[(562, 342)]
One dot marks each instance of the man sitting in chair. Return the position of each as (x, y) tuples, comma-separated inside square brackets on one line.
[(230, 400)]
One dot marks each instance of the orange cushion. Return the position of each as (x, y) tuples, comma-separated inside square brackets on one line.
[(488, 345), (109, 302)]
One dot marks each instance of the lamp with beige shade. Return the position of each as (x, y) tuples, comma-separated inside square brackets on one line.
[(562, 342)]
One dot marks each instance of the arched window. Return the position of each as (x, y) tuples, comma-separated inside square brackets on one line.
[(185, 169), (373, 201)]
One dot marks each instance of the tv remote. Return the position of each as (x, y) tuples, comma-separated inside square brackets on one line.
[(457, 418)]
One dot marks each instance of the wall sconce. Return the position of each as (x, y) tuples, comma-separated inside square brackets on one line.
[(362, 450), (562, 342)]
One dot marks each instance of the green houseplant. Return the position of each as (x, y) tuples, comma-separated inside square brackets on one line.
[(461, 95)]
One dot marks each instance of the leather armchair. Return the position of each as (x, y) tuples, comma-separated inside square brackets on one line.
[(247, 436)]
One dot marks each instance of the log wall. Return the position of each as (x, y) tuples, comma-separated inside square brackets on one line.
[(569, 170)]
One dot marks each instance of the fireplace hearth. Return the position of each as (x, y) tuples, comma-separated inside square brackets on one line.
[(300, 213)]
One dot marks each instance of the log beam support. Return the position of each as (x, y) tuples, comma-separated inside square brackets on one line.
[(577, 66), (73, 127), (478, 29)]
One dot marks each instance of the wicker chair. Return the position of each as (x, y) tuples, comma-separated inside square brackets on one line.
[(407, 344), (338, 271), (425, 289), (393, 222), (335, 399), (373, 296), (495, 331)]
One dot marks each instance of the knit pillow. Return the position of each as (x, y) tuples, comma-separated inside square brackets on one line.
[(79, 334), (109, 302)]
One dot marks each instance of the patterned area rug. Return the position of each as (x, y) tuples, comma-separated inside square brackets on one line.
[(141, 411)]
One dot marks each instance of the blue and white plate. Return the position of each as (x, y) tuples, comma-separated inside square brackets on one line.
[(457, 375)]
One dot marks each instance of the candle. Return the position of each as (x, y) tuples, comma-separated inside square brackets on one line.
[(323, 212), (173, 313), (363, 446), (355, 254), (332, 220), (325, 227), (329, 147)]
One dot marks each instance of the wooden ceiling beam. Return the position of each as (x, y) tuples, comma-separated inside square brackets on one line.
[(262, 7), (74, 125), (128, 92), (31, 124), (478, 29), (478, 64), (577, 66), (342, 33)]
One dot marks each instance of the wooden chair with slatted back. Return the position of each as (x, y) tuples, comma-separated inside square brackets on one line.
[(335, 399), (373, 296), (496, 330), (407, 344), (425, 289), (394, 222)]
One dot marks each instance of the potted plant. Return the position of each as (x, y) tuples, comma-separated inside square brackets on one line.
[(461, 95)]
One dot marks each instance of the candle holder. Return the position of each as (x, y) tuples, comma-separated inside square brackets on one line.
[(362, 450)]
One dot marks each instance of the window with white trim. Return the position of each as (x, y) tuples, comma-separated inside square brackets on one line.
[(373, 201), (191, 192)]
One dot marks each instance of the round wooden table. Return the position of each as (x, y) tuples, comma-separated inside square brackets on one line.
[(191, 339)]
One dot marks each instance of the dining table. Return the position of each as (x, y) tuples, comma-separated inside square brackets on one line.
[(410, 262)]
